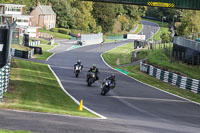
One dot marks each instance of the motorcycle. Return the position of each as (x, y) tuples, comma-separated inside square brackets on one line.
[(77, 70), (91, 78), (106, 86)]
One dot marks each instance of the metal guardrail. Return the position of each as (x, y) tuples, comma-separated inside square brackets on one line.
[(190, 84), (4, 79)]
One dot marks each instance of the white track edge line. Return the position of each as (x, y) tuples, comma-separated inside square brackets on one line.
[(141, 29), (148, 84), (47, 113), (101, 116), (50, 57), (54, 46)]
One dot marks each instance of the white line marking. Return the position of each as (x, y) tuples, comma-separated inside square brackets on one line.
[(141, 29), (148, 99), (50, 56), (54, 47), (45, 113), (101, 116)]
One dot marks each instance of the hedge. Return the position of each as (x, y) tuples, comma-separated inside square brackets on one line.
[(61, 30)]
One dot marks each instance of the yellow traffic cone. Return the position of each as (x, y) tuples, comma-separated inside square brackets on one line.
[(81, 105)]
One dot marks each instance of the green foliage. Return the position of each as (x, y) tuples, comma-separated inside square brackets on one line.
[(159, 12), (88, 16), (104, 15), (189, 22), (54, 29), (165, 37), (61, 30)]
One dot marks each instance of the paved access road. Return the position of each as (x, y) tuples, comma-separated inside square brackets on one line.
[(131, 107)]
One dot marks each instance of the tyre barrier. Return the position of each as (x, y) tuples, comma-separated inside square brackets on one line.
[(22, 54), (4, 79), (187, 83)]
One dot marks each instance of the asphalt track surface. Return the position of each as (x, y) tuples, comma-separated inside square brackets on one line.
[(131, 107)]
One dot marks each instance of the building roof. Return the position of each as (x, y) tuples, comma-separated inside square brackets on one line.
[(47, 9), (12, 5)]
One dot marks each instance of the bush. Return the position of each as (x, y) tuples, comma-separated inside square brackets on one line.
[(61, 30), (64, 31), (54, 29)]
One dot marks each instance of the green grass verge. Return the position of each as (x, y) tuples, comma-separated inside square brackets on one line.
[(33, 87), (121, 55), (20, 47), (42, 56), (154, 57), (163, 29), (45, 54), (139, 28), (13, 131), (56, 35)]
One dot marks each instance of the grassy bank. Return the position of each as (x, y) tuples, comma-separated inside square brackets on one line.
[(139, 28), (121, 55), (33, 87), (20, 47), (112, 56), (13, 131), (56, 35)]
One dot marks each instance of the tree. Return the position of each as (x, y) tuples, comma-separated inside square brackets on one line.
[(189, 22), (104, 15)]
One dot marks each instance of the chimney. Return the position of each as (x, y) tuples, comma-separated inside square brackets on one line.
[(50, 4)]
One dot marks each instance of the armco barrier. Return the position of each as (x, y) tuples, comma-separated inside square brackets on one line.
[(4, 79), (172, 78)]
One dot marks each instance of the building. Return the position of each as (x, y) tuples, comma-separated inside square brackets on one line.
[(43, 16), (12, 12)]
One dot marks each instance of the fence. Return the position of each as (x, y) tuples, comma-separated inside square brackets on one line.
[(4, 79), (169, 77), (34, 43)]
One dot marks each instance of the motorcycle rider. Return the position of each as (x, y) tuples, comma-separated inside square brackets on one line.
[(95, 70), (112, 79), (78, 64)]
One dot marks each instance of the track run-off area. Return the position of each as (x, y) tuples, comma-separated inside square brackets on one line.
[(132, 107)]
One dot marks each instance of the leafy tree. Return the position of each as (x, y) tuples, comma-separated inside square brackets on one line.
[(104, 15), (189, 22)]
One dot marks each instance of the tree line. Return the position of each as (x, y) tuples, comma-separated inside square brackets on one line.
[(96, 17)]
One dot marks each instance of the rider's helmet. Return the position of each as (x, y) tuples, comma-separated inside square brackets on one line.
[(113, 76), (79, 62), (93, 66)]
